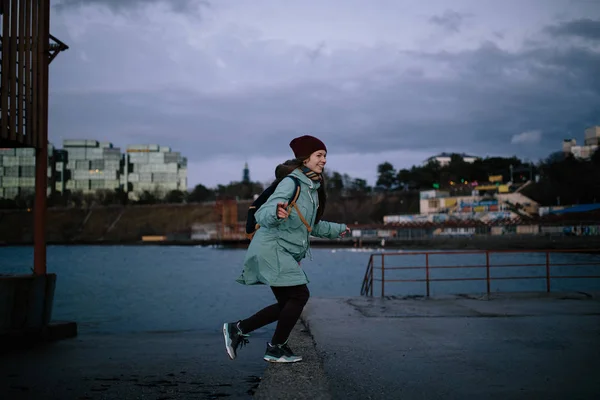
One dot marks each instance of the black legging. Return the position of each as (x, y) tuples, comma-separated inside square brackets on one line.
[(290, 303)]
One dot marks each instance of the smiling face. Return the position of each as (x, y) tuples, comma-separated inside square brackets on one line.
[(317, 160)]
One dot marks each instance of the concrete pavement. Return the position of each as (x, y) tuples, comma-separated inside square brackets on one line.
[(140, 365), (297, 381), (456, 347)]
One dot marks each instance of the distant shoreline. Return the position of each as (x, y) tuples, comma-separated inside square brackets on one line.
[(513, 242)]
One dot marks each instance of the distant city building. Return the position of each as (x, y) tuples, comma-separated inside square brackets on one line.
[(17, 172), (153, 168), (592, 136), (590, 146), (568, 144), (89, 165), (444, 158)]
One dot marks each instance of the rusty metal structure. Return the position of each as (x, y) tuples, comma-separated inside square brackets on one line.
[(226, 211), (27, 49), (543, 269)]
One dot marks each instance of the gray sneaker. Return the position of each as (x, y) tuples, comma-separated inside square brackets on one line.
[(234, 338), (280, 353)]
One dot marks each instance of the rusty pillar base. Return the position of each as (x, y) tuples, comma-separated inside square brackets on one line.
[(26, 310)]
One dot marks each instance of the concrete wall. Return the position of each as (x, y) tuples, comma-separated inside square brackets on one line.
[(26, 302)]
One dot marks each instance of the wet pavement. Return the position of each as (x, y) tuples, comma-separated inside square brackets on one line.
[(458, 347), (159, 365), (455, 347)]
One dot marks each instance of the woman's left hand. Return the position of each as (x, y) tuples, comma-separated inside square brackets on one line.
[(346, 232)]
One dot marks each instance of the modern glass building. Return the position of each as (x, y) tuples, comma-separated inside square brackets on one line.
[(153, 168), (17, 172), (89, 165)]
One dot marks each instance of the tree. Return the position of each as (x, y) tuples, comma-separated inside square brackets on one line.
[(148, 197), (335, 184), (386, 176), (359, 186), (175, 196), (25, 200), (428, 175), (404, 178), (8, 204), (76, 198), (106, 197), (121, 197), (566, 180), (239, 190), (200, 193), (596, 159), (89, 199)]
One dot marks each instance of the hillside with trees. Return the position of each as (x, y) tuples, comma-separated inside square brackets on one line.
[(559, 179)]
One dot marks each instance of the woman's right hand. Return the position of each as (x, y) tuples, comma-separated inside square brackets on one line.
[(282, 210)]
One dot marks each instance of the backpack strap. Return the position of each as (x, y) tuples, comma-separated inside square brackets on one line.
[(306, 224), (293, 204)]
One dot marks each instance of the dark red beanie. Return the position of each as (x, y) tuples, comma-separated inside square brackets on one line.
[(304, 146)]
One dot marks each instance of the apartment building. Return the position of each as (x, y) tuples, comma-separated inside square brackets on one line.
[(87, 166)]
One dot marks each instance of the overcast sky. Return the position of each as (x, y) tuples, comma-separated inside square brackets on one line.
[(232, 81)]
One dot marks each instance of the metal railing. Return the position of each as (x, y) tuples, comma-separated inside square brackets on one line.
[(370, 278)]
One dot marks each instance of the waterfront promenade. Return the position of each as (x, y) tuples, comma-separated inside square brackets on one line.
[(510, 346)]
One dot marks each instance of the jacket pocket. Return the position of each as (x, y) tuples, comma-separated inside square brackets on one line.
[(296, 247)]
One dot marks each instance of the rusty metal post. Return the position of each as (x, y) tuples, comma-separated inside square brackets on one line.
[(12, 43), (4, 132), (547, 271), (487, 270), (427, 272), (41, 160), (371, 280), (382, 275)]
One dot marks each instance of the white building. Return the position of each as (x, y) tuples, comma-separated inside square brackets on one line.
[(444, 158), (590, 145), (592, 136), (153, 168)]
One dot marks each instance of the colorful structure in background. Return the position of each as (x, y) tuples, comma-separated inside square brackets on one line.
[(484, 208), (492, 211)]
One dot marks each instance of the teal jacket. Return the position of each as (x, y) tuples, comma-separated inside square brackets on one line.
[(278, 246)]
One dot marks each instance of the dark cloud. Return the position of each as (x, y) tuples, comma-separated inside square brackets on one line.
[(183, 6), (450, 20), (585, 28), (474, 101), (315, 53), (489, 96)]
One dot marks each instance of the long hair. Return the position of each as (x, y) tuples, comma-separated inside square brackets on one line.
[(287, 167)]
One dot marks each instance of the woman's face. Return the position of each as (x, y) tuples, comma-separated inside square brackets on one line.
[(317, 160)]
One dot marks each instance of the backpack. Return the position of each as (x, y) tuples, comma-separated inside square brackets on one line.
[(252, 226)]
